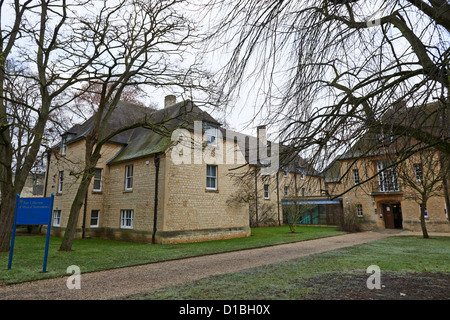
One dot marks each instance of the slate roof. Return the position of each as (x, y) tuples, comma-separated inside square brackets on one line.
[(124, 114), (429, 118), (332, 172), (143, 141), (289, 160), (433, 118)]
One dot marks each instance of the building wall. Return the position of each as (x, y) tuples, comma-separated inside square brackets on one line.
[(186, 210), (270, 210), (371, 201), (140, 199), (63, 200), (72, 164), (194, 213)]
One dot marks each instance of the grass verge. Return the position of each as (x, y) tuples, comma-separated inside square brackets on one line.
[(332, 275), (97, 254)]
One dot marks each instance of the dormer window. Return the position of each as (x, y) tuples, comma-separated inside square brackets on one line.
[(301, 170), (211, 135), (63, 145), (384, 139)]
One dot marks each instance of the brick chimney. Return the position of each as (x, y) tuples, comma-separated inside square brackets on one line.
[(261, 139), (169, 100)]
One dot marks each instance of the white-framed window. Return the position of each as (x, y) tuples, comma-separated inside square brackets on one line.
[(211, 135), (286, 191), (266, 192), (301, 171), (356, 176), (359, 210), (129, 177), (56, 218), (418, 173), (95, 217), (126, 219), (63, 145), (387, 177), (98, 175), (60, 181), (303, 192), (426, 210), (211, 177)]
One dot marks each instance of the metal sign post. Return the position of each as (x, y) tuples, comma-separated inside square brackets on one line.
[(32, 211)]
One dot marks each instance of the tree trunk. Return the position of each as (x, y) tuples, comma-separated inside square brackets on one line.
[(91, 158), (7, 207), (256, 197), (445, 182), (422, 220), (77, 203)]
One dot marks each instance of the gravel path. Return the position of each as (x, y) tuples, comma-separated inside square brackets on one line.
[(122, 282)]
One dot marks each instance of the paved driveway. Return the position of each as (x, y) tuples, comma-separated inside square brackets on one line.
[(132, 280)]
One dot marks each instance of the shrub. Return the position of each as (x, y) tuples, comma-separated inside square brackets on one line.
[(349, 221)]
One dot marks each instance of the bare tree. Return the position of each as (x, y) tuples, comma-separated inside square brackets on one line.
[(75, 45), (423, 175), (39, 38), (330, 71), (23, 116), (141, 43)]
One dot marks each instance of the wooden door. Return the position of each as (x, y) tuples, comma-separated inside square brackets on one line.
[(388, 215)]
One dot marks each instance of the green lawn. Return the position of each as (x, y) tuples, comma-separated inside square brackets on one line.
[(286, 281), (97, 254)]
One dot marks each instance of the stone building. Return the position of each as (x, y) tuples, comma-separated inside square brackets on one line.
[(189, 180), (174, 183), (375, 183)]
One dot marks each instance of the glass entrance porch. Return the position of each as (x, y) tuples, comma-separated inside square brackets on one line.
[(313, 211)]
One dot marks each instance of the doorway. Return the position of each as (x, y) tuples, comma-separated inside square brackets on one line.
[(392, 213)]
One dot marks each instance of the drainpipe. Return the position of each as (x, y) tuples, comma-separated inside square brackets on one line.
[(278, 199), (256, 196), (155, 212)]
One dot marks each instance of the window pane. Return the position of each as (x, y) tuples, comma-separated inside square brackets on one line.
[(129, 177), (211, 134), (98, 179), (61, 179), (418, 171), (98, 174), (94, 217), (211, 183), (211, 177), (211, 171), (126, 219), (57, 218), (64, 145), (356, 176)]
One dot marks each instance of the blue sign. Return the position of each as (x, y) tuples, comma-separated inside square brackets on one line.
[(34, 210), (31, 211)]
